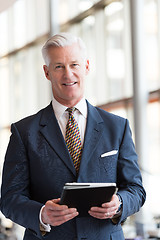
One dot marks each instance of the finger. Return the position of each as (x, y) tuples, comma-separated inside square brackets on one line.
[(111, 209), (99, 215), (102, 212), (98, 212), (103, 209), (109, 204), (58, 217), (63, 212), (98, 209), (49, 208), (62, 219), (113, 203), (56, 200), (102, 215), (54, 205)]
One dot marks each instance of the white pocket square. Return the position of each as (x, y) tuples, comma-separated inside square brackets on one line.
[(113, 152)]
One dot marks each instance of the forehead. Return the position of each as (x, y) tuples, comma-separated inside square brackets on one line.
[(67, 53)]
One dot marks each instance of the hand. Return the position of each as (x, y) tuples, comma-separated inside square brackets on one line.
[(107, 210), (55, 214)]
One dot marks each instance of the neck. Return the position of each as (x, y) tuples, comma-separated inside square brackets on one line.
[(68, 104)]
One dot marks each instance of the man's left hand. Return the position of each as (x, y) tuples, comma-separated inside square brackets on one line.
[(107, 210)]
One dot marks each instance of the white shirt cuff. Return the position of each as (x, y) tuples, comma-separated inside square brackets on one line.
[(43, 227)]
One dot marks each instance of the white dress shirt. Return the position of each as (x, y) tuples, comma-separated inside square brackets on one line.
[(62, 117)]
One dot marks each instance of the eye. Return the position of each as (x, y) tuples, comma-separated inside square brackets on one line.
[(58, 66), (75, 65)]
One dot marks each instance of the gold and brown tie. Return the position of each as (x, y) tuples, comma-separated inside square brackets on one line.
[(73, 139)]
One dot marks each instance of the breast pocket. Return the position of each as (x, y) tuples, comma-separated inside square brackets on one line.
[(108, 165)]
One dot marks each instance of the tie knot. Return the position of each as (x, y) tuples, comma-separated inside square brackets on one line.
[(71, 110)]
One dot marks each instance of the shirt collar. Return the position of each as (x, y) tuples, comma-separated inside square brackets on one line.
[(59, 109)]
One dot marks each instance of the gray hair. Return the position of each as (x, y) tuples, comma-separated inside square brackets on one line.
[(62, 40)]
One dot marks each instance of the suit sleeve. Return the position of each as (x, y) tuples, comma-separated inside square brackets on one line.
[(129, 177), (16, 203)]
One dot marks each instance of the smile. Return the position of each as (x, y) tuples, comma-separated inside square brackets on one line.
[(69, 84)]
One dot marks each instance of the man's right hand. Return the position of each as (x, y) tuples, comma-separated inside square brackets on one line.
[(55, 214)]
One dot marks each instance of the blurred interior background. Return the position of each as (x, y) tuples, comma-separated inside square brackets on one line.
[(123, 41)]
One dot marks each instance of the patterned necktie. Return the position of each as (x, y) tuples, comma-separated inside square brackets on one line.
[(73, 139)]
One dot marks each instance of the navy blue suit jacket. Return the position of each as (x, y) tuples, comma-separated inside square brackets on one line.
[(38, 164)]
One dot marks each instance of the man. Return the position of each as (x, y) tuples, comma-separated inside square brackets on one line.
[(38, 160)]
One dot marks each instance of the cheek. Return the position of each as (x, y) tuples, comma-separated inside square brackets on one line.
[(80, 75), (55, 79), (82, 81)]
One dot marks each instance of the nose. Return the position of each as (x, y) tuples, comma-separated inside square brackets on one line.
[(68, 72)]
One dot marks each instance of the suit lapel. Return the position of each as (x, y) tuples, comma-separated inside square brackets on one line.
[(51, 131), (93, 133)]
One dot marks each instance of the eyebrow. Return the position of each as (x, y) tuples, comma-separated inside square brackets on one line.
[(74, 61)]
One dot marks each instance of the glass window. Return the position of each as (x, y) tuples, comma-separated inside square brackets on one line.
[(22, 23), (116, 63), (126, 112), (27, 81), (153, 195), (42, 15), (31, 20), (77, 7), (19, 23), (4, 92), (4, 139), (152, 167), (4, 36), (154, 137), (152, 44)]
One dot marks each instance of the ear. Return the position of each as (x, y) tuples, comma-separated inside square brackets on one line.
[(46, 71), (87, 66)]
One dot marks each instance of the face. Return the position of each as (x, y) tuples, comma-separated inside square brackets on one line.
[(67, 71)]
